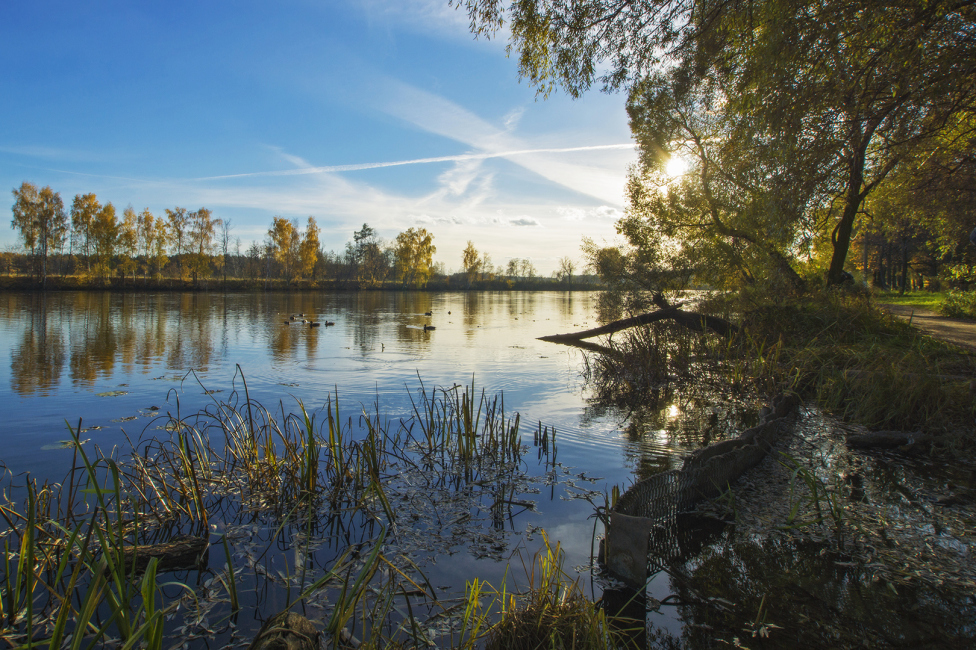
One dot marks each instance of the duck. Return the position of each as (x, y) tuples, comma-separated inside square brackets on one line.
[(329, 323), (428, 313), (428, 328), (287, 322), (314, 324)]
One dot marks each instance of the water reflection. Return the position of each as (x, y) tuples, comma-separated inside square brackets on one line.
[(38, 360)]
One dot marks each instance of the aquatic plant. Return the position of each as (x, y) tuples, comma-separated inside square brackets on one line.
[(84, 557)]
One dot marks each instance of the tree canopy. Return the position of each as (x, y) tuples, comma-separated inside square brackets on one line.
[(790, 112)]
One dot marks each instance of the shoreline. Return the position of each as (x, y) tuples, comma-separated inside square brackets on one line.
[(27, 284)]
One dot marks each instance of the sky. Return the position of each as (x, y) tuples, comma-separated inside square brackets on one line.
[(386, 112)]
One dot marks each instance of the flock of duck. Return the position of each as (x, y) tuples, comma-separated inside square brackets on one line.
[(300, 318)]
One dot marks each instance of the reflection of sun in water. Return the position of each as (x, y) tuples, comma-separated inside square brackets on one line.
[(676, 166)]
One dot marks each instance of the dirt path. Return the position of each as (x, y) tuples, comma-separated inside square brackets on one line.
[(955, 330)]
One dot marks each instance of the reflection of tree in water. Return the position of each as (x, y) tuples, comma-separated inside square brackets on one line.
[(474, 305), (36, 364), (665, 423), (191, 340), (104, 330), (92, 338), (368, 313)]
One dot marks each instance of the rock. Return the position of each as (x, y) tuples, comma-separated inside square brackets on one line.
[(286, 631)]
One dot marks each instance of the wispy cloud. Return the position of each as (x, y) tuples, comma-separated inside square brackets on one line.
[(52, 153), (440, 116), (331, 169)]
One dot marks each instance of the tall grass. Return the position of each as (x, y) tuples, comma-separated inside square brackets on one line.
[(75, 573), (833, 347)]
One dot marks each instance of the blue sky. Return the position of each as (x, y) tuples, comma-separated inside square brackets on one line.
[(293, 108)]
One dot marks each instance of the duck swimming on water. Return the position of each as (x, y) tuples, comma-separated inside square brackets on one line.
[(428, 328)]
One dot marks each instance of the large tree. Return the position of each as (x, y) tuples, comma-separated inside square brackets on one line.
[(178, 227), (105, 237), (366, 252), (414, 257), (40, 217), (285, 239), (309, 249), (470, 261), (84, 209), (203, 232), (854, 84)]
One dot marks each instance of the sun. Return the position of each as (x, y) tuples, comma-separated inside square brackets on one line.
[(676, 166)]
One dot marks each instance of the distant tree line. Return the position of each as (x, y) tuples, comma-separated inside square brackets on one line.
[(92, 241)]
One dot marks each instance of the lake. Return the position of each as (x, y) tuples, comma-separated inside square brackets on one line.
[(118, 362), (125, 365)]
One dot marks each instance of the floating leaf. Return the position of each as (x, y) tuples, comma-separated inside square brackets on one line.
[(63, 444), (112, 393)]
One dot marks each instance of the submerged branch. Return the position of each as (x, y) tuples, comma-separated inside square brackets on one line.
[(691, 320)]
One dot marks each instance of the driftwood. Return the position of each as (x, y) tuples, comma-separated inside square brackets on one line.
[(885, 439), (691, 320), (178, 554), (286, 631)]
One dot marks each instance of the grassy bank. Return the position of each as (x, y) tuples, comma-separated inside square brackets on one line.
[(931, 300), (835, 348)]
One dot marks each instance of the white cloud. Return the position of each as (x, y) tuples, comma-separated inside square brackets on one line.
[(576, 213), (524, 221)]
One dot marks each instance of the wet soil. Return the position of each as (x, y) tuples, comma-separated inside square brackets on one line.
[(825, 546)]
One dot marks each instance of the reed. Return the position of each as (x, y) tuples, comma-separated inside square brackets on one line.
[(73, 575)]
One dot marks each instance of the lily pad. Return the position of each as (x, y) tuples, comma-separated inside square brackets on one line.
[(63, 444), (112, 393)]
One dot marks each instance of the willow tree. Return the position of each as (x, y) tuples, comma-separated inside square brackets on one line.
[(855, 85)]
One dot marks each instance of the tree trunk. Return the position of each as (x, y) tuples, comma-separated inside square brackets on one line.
[(841, 237), (697, 322)]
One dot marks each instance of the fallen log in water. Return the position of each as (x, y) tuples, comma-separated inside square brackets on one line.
[(183, 553), (886, 439), (691, 320)]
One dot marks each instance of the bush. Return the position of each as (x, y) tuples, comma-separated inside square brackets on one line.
[(959, 304)]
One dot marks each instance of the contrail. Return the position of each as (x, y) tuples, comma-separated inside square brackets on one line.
[(416, 161)]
